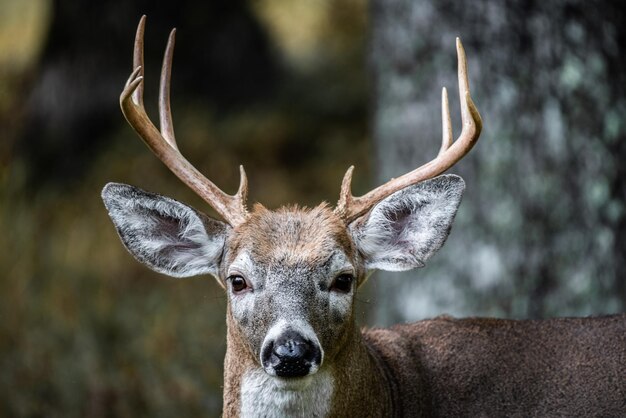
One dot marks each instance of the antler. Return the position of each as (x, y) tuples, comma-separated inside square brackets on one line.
[(350, 207), (163, 143)]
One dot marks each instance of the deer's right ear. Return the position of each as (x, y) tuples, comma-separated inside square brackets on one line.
[(166, 235), (404, 230)]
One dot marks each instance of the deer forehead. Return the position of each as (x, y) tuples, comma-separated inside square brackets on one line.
[(291, 237)]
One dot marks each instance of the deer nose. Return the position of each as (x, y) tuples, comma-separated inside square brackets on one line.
[(291, 355), (291, 350)]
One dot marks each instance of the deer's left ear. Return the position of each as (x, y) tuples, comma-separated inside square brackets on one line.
[(405, 229)]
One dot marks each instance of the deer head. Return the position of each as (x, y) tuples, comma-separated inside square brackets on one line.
[(290, 275)]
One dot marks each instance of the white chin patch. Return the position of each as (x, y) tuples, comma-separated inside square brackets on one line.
[(267, 396)]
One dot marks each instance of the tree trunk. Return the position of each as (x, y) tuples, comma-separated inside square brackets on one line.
[(541, 229)]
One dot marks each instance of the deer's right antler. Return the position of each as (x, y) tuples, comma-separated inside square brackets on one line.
[(351, 207), (163, 143)]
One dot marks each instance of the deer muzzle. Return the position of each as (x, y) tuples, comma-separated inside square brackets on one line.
[(291, 352)]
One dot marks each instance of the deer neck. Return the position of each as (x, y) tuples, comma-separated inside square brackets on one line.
[(354, 377), (361, 380)]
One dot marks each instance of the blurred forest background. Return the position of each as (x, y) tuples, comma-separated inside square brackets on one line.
[(296, 91)]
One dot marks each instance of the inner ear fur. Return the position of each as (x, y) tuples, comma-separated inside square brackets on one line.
[(404, 230)]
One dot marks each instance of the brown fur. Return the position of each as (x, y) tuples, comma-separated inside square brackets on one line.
[(569, 367), (362, 386), (292, 234), (238, 359)]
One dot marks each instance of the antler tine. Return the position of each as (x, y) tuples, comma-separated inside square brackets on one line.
[(350, 207), (138, 59), (446, 123), (165, 110), (163, 143)]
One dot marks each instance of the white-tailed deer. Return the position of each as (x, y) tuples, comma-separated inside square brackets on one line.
[(291, 276)]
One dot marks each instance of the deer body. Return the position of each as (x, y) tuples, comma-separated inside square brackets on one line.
[(294, 348), (445, 367)]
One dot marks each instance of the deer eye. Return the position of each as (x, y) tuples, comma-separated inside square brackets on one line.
[(238, 283), (342, 283)]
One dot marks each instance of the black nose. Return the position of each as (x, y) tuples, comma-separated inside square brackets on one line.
[(291, 355)]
